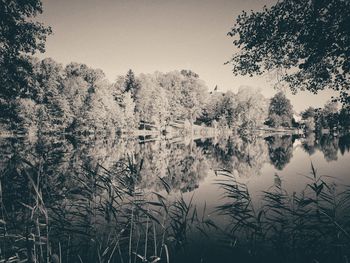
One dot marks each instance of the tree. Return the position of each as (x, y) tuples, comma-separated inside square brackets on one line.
[(186, 94), (280, 111), (193, 95), (330, 112), (309, 124), (211, 110), (251, 109), (308, 40), (308, 113), (221, 108), (47, 91), (344, 118), (27, 113), (128, 110), (19, 35), (90, 75), (151, 101), (131, 84), (76, 92)]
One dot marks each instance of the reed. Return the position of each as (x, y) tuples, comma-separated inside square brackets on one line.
[(101, 215), (312, 225)]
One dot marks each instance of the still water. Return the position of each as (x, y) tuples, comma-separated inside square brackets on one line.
[(274, 199)]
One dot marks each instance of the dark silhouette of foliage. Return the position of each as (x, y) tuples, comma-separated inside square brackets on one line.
[(131, 84), (189, 73), (344, 118), (306, 41), (308, 113), (19, 35)]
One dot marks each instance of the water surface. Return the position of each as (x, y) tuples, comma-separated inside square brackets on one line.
[(180, 200)]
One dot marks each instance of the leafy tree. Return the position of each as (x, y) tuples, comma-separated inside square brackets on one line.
[(330, 107), (47, 91), (76, 92), (221, 107), (227, 108), (280, 111), (193, 95), (308, 40), (48, 78), (210, 112), (86, 87), (128, 110), (171, 83), (330, 112), (251, 109), (308, 113), (27, 113), (189, 73), (185, 92), (90, 75), (309, 124), (151, 101), (20, 37)]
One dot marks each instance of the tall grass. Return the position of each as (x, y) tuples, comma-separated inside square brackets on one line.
[(96, 216), (100, 215), (312, 226)]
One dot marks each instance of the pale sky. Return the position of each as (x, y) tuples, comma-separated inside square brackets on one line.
[(155, 35)]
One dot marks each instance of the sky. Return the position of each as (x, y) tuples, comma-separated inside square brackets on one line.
[(156, 35)]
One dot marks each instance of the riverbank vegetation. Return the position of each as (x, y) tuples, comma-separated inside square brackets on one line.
[(46, 97)]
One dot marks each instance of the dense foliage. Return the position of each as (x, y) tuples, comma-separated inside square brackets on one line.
[(78, 98), (307, 42), (280, 111), (20, 36), (247, 109), (327, 119)]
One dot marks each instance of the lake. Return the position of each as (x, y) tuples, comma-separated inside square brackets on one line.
[(280, 198)]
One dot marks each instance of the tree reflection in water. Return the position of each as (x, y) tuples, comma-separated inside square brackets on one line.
[(328, 144), (242, 156), (280, 150), (309, 144), (329, 147)]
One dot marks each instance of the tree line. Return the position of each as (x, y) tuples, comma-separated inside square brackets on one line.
[(44, 96), (77, 98), (328, 118)]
